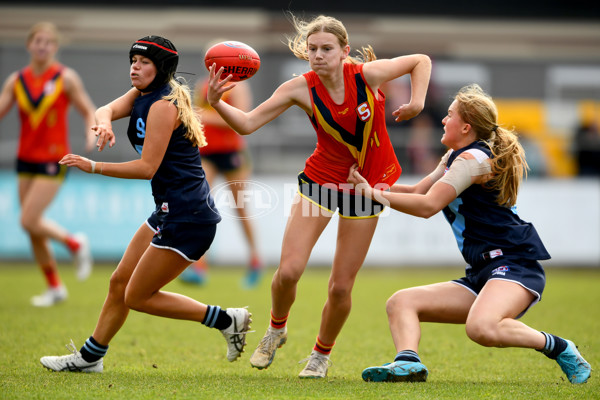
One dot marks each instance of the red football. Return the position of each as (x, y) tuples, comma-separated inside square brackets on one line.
[(236, 58)]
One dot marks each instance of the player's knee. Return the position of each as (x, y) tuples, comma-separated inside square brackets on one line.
[(134, 301), (339, 291), (117, 284), (287, 275), (398, 302), (29, 224), (483, 332)]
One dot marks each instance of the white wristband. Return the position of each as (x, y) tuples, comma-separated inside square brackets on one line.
[(93, 166)]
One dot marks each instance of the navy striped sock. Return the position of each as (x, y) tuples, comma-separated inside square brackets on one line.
[(554, 346), (407, 355), (216, 318), (92, 350)]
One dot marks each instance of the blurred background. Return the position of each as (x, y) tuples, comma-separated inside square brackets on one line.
[(539, 60)]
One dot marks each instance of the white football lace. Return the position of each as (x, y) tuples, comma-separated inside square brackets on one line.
[(71, 347), (316, 361)]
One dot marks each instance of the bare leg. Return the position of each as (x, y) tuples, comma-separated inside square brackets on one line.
[(156, 268), (304, 226), (491, 321), (353, 241), (115, 311), (35, 195), (444, 302)]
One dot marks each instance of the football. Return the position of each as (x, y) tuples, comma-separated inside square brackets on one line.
[(236, 58)]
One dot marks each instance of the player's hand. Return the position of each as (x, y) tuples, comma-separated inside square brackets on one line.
[(105, 135), (407, 111), (216, 85), (73, 160), (361, 185)]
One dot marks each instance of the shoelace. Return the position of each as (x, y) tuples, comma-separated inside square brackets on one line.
[(234, 323), (71, 347), (316, 362), (266, 343)]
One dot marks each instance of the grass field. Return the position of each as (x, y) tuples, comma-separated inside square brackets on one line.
[(156, 358)]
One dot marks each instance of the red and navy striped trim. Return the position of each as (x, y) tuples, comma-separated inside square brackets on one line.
[(157, 45)]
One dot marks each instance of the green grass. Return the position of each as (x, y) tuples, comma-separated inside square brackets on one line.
[(156, 358)]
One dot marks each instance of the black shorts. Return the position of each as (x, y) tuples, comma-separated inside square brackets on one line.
[(49, 169), (349, 205), (227, 162), (527, 273), (188, 239)]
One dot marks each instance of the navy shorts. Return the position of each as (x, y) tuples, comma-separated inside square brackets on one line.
[(227, 162), (50, 169), (527, 273), (189, 239), (349, 205)]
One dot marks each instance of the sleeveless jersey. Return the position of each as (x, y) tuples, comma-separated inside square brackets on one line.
[(179, 186), (43, 106), (351, 132), (220, 139), (481, 225)]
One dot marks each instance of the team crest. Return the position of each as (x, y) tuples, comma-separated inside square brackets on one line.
[(49, 88), (364, 111)]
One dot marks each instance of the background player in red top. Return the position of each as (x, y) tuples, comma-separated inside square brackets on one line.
[(226, 154), (342, 99), (43, 91)]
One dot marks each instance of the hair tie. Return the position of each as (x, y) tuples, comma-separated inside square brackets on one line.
[(495, 128)]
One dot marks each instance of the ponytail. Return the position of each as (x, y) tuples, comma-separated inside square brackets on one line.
[(181, 97), (508, 164)]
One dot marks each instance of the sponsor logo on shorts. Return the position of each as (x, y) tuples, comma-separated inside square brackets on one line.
[(164, 207), (502, 270)]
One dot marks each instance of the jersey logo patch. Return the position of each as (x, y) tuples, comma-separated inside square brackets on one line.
[(390, 170), (364, 111)]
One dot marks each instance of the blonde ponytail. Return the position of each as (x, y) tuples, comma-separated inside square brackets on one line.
[(181, 97), (508, 164)]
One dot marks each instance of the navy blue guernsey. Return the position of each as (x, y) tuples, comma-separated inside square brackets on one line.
[(481, 225), (179, 185)]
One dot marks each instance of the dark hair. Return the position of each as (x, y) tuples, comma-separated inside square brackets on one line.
[(162, 53)]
